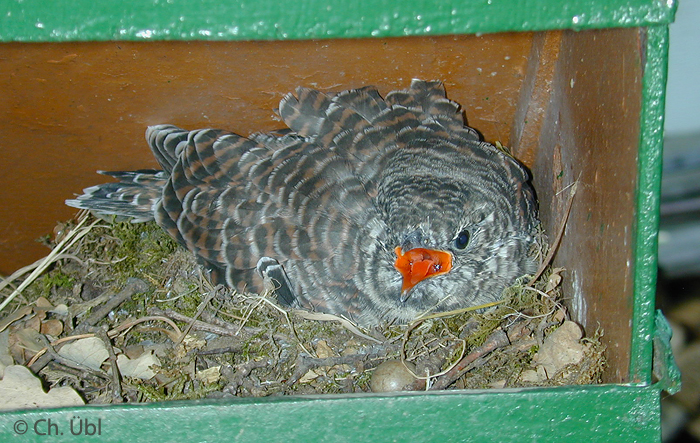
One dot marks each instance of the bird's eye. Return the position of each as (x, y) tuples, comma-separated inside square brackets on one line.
[(462, 239)]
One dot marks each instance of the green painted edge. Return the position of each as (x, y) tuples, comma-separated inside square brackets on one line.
[(581, 413), (100, 20), (666, 370), (648, 193)]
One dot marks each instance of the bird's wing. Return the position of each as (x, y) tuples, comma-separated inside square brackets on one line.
[(208, 167), (428, 101), (365, 129), (233, 200)]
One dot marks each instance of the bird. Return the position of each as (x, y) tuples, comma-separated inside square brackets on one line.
[(375, 209)]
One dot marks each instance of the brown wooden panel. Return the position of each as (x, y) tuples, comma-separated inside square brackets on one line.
[(581, 120)]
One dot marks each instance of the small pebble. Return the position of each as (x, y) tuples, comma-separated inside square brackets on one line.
[(392, 376)]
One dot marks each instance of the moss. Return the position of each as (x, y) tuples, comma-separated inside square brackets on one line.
[(149, 393), (131, 249), (51, 283)]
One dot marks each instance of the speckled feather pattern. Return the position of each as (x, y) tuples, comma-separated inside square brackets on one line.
[(330, 198)]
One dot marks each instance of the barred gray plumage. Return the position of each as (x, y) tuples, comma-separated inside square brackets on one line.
[(374, 209)]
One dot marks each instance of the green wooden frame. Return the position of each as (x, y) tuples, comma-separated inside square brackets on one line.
[(583, 413), (80, 20), (574, 414)]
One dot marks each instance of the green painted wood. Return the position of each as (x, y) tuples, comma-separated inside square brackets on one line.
[(665, 369), (648, 193), (92, 20), (572, 414)]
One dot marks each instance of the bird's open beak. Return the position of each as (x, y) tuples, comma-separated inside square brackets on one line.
[(418, 264)]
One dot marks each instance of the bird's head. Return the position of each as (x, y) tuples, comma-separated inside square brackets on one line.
[(456, 239)]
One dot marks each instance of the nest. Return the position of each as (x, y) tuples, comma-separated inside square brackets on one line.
[(158, 330)]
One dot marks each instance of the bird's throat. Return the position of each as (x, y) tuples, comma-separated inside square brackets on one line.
[(415, 265)]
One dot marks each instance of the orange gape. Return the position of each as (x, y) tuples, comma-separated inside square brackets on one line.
[(418, 264)]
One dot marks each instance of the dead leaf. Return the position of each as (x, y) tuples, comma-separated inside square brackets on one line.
[(52, 327), (61, 309), (561, 348), (189, 343), (17, 350), (139, 367), (554, 280), (311, 375), (209, 376), (30, 339), (5, 356), (13, 317), (90, 352), (19, 389), (323, 350), (43, 304), (34, 322)]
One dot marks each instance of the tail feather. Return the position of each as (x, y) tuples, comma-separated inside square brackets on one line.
[(133, 197)]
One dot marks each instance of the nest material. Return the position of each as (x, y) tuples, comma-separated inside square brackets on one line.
[(148, 301)]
